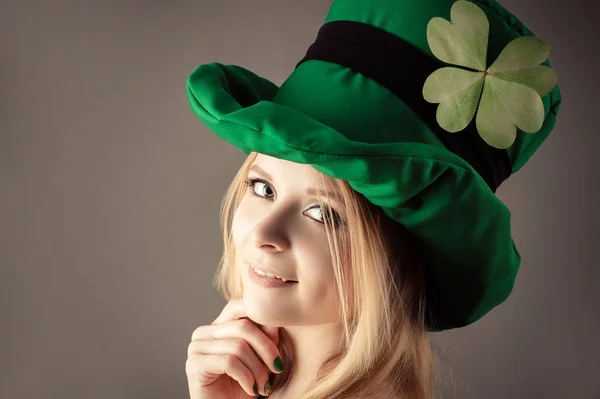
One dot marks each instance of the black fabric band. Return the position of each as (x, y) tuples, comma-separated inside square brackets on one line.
[(402, 68)]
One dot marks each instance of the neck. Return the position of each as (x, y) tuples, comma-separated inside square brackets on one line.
[(310, 347)]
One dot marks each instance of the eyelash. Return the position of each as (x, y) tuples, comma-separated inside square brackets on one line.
[(337, 221)]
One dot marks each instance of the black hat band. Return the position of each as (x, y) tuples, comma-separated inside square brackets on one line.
[(402, 68)]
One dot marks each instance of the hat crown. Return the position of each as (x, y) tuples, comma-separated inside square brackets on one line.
[(339, 97), (408, 19)]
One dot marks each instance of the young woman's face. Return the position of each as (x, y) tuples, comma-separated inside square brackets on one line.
[(278, 226)]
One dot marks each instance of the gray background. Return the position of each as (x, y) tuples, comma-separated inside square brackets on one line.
[(110, 189)]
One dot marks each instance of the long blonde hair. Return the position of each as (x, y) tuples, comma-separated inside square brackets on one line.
[(382, 302)]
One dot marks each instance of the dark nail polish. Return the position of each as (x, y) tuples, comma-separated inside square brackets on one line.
[(278, 364), (268, 389), (255, 388)]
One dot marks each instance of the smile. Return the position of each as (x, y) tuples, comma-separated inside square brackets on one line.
[(263, 273), (267, 277)]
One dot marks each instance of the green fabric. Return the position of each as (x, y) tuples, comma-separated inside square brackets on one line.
[(409, 19), (351, 128)]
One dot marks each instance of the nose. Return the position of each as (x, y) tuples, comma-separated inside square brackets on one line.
[(271, 232)]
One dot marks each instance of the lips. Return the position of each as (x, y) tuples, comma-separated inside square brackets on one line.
[(270, 273)]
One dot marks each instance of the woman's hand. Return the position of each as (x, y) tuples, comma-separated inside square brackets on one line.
[(226, 359)]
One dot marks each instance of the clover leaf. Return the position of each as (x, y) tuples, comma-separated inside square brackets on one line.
[(505, 96)]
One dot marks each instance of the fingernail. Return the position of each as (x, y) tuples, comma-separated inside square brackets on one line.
[(268, 389), (278, 364), (255, 388)]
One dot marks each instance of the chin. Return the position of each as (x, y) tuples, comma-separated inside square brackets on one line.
[(261, 313), (255, 310)]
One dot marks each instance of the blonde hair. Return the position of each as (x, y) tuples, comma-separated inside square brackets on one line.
[(382, 302)]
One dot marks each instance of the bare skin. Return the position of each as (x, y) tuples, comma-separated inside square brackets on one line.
[(228, 356), (278, 225)]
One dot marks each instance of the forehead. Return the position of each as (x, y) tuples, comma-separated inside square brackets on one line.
[(281, 169)]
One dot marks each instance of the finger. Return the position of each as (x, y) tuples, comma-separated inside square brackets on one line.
[(235, 310), (240, 349), (271, 332), (247, 330), (216, 365)]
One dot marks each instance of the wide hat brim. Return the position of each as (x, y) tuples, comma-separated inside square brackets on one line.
[(470, 257)]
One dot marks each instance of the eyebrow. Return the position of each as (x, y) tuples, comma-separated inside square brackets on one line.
[(309, 191)]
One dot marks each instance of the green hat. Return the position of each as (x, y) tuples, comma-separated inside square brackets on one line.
[(395, 98)]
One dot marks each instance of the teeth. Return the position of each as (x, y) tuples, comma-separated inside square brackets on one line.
[(269, 275)]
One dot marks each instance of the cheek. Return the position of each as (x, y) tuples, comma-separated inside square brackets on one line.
[(318, 266), (319, 291), (322, 277), (241, 225)]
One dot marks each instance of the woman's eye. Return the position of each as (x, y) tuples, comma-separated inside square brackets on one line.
[(260, 187), (323, 216), (263, 189)]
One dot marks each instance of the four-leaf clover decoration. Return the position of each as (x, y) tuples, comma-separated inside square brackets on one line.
[(506, 95)]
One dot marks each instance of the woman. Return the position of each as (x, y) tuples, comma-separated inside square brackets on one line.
[(381, 225), (277, 224)]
